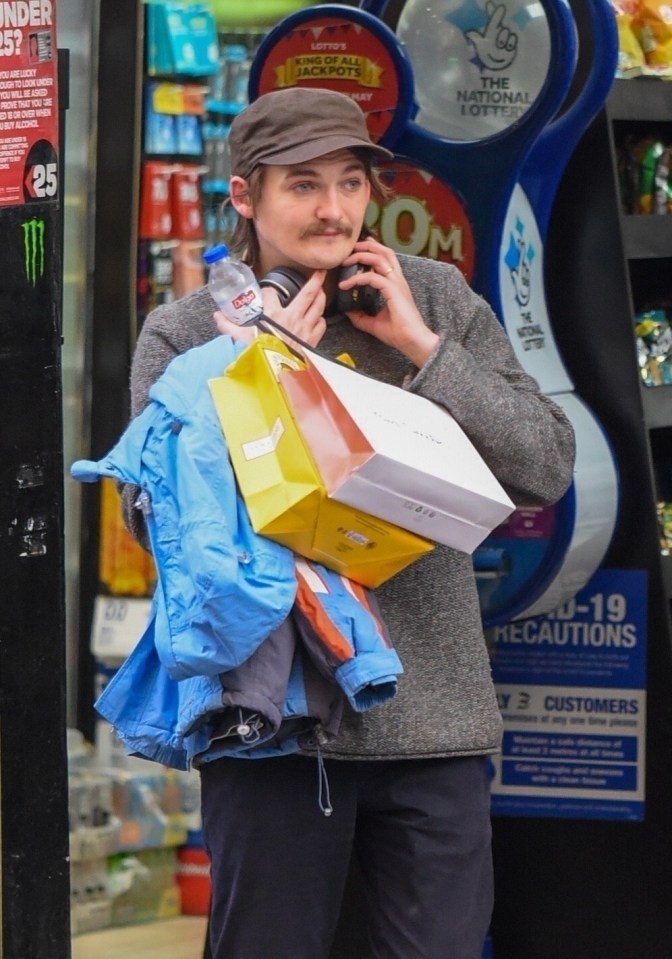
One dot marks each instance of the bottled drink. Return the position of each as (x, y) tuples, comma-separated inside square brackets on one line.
[(232, 285)]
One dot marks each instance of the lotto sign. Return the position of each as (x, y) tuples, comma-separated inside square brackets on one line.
[(424, 217), (28, 102), (478, 67), (347, 52)]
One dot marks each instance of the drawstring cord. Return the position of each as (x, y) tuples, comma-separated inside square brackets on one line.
[(323, 795)]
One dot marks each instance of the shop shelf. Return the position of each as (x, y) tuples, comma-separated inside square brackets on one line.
[(642, 98), (657, 401), (647, 237)]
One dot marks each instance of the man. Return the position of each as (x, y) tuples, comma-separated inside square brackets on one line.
[(408, 780)]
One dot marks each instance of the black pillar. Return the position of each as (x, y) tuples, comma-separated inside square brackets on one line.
[(33, 759)]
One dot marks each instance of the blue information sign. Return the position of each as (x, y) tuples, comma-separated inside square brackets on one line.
[(572, 691)]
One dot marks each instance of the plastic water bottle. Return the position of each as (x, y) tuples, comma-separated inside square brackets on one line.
[(232, 285)]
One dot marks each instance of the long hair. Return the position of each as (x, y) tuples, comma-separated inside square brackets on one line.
[(244, 243)]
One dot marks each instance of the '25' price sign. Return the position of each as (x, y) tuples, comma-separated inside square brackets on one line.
[(42, 181), (40, 173)]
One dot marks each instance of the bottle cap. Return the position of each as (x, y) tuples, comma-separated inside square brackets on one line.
[(216, 253)]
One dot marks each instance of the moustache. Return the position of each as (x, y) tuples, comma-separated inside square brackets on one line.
[(327, 228)]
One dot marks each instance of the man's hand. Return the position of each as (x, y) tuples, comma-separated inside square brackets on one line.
[(304, 316), (399, 323)]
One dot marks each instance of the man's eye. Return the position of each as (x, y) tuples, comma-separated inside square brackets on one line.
[(303, 187), (354, 184)]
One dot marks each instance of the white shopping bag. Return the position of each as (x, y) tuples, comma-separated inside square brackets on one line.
[(394, 454)]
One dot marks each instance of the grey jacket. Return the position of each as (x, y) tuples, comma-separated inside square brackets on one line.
[(445, 704)]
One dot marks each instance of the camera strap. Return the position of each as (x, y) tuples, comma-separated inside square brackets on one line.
[(265, 323)]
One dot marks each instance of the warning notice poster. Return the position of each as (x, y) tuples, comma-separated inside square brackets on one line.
[(28, 102), (571, 687)]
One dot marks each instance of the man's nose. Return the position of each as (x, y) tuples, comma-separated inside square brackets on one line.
[(330, 205)]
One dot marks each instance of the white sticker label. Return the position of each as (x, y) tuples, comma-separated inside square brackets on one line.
[(279, 361), (266, 444)]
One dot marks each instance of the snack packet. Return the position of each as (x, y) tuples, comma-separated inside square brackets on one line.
[(652, 25)]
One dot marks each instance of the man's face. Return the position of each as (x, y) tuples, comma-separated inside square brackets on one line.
[(310, 215)]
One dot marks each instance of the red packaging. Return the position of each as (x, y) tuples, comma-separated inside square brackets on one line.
[(193, 878), (156, 217), (187, 204)]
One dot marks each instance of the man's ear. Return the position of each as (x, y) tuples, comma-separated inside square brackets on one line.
[(240, 197)]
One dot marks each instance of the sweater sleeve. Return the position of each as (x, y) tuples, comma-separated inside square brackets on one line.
[(525, 438), (167, 332)]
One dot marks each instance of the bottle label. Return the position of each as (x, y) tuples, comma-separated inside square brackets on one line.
[(247, 298), (242, 307)]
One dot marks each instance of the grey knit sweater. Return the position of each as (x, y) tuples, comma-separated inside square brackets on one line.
[(445, 704)]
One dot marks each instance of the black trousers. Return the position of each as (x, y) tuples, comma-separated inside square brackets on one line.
[(420, 830)]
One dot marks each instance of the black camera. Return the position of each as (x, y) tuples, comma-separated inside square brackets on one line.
[(365, 298), (287, 282)]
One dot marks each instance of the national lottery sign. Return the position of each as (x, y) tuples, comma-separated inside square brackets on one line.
[(28, 102)]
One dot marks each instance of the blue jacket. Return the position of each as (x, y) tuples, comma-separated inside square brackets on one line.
[(234, 660)]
